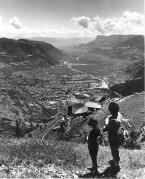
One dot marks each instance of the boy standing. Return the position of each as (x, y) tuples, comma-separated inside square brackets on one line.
[(112, 128), (93, 144)]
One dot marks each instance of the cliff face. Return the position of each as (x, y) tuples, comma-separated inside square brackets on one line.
[(21, 50), (112, 41)]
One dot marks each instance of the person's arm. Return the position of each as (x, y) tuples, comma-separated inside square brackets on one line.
[(105, 128)]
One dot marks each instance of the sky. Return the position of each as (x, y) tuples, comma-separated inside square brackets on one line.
[(70, 18)]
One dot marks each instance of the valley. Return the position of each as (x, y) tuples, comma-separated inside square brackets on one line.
[(72, 99), (74, 72), (37, 89)]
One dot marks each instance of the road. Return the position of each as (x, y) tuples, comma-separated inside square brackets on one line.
[(103, 82)]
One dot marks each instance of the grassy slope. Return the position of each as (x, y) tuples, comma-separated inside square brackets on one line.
[(31, 158)]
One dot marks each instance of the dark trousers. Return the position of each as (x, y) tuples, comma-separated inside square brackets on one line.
[(93, 151), (115, 152)]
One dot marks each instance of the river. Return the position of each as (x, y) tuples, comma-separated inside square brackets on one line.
[(70, 66)]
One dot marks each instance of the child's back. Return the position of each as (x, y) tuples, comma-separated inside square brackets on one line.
[(112, 129), (93, 136), (93, 143)]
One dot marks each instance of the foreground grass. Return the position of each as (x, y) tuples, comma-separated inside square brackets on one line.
[(31, 158), (51, 152)]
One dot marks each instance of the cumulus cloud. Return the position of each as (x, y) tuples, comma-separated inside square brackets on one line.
[(15, 28), (15, 21), (82, 21), (128, 23)]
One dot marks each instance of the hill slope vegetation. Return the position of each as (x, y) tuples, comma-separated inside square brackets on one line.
[(25, 50)]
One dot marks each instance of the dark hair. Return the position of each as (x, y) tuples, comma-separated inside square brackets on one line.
[(113, 107)]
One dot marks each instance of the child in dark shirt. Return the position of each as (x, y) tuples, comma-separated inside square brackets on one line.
[(93, 144), (112, 128)]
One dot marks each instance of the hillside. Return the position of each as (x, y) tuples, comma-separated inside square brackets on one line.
[(127, 52), (55, 159), (135, 41), (15, 51), (113, 41)]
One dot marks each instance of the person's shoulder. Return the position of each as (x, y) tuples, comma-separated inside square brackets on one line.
[(119, 117), (107, 119)]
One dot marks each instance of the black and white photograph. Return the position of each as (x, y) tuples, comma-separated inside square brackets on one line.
[(72, 89)]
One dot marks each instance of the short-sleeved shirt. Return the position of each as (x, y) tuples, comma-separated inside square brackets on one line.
[(112, 129)]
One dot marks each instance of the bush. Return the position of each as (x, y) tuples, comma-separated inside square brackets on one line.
[(131, 141)]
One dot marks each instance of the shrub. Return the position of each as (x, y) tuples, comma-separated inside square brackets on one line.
[(131, 141)]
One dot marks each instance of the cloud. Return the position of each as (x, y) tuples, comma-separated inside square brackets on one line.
[(82, 21), (16, 29), (128, 23), (15, 22)]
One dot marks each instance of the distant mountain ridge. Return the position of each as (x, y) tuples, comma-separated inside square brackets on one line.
[(63, 42), (21, 50), (113, 41)]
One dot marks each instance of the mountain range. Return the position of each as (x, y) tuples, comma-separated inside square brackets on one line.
[(27, 50), (63, 42), (112, 41)]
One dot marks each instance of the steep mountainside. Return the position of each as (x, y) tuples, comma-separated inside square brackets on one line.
[(136, 41), (112, 41), (22, 50)]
